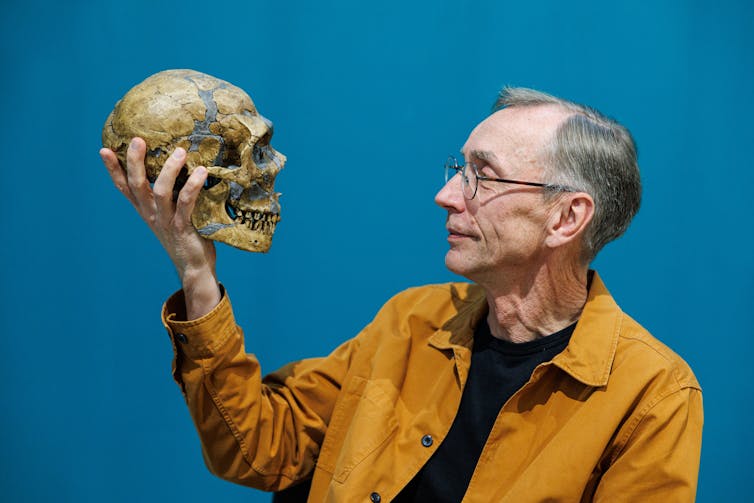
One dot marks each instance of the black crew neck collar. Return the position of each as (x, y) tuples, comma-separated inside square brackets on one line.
[(483, 338)]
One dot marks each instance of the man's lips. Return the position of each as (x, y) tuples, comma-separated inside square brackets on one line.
[(457, 233)]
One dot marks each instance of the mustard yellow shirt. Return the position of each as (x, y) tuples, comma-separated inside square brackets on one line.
[(617, 416)]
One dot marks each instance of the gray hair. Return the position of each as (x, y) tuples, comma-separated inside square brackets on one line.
[(591, 153)]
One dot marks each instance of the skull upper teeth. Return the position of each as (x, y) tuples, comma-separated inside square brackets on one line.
[(261, 221)]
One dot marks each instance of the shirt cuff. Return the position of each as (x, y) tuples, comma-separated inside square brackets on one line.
[(202, 337)]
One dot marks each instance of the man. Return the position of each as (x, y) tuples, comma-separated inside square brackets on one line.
[(528, 385)]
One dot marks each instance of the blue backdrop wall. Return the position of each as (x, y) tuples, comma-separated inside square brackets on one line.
[(368, 100)]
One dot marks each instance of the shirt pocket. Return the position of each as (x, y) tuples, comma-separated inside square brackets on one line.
[(362, 421)]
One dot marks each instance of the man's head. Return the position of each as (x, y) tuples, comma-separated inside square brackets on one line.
[(535, 137), (593, 153)]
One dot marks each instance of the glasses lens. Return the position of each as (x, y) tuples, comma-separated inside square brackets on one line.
[(451, 168), (469, 181), (468, 176)]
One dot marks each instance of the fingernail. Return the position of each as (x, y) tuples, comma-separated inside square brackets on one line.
[(201, 170), (179, 153), (133, 143)]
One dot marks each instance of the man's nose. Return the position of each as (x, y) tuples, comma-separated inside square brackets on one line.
[(450, 196)]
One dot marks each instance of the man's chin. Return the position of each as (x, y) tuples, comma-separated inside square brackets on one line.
[(455, 263)]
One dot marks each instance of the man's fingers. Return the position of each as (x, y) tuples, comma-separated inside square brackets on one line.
[(116, 172), (163, 186), (187, 197), (137, 176)]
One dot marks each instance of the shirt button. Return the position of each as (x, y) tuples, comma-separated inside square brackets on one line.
[(427, 440), (375, 498), (181, 338)]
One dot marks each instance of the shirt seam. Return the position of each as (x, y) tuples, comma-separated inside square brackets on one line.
[(673, 364), (639, 419)]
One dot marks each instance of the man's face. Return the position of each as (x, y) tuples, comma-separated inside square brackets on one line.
[(502, 229)]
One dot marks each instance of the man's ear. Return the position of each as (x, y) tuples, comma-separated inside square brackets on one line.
[(570, 218)]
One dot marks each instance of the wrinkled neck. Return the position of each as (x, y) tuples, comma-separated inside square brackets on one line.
[(537, 304)]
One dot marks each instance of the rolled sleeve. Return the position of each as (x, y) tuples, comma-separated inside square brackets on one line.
[(203, 337)]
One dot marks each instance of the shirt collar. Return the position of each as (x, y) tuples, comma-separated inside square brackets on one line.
[(589, 355), (471, 305)]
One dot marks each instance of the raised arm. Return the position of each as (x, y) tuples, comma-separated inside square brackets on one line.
[(192, 255)]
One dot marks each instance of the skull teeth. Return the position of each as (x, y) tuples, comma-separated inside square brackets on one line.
[(258, 220)]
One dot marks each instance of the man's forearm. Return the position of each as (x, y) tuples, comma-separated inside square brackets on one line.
[(201, 292)]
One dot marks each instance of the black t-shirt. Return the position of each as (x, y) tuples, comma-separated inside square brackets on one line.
[(498, 369)]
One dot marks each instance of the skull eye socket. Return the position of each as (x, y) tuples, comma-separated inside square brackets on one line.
[(258, 154), (210, 182)]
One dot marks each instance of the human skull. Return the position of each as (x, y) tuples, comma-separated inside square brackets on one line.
[(219, 127)]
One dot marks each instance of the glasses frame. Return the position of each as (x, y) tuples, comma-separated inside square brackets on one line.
[(452, 164)]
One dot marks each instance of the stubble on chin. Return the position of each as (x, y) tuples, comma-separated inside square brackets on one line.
[(458, 263)]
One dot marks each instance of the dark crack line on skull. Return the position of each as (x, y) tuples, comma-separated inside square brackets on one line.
[(210, 229), (201, 128)]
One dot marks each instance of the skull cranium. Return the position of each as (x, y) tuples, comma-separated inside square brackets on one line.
[(219, 127)]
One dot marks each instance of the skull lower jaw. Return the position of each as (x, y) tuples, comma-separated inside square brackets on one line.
[(241, 235), (237, 223)]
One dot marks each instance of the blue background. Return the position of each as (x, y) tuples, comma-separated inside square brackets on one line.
[(368, 100)]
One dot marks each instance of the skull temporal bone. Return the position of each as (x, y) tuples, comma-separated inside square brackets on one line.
[(219, 127)]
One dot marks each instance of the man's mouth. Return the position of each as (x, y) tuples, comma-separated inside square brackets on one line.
[(452, 232)]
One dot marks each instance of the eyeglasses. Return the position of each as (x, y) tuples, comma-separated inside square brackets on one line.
[(472, 177)]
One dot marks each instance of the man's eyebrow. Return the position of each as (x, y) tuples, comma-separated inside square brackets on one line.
[(484, 155)]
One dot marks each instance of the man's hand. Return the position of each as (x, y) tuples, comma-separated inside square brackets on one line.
[(192, 255)]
